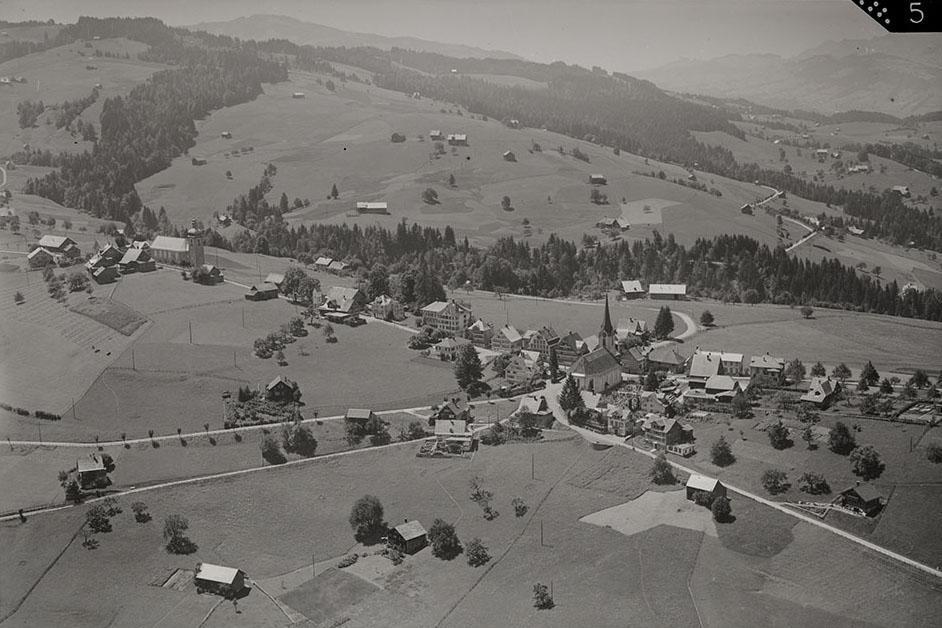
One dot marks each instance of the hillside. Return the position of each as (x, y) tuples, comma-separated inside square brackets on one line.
[(263, 27), (891, 74)]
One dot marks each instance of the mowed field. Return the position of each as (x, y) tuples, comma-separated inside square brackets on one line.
[(59, 74), (273, 523), (342, 138)]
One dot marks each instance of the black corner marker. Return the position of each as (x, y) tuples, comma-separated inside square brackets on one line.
[(904, 16)]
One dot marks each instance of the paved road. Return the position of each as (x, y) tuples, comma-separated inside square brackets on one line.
[(812, 233)]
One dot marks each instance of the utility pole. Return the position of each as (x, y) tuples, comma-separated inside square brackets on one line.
[(532, 466), (40, 427), (541, 533), (133, 366), (74, 418), (243, 317), (190, 323)]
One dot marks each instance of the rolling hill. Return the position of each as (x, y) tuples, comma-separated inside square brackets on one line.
[(892, 74), (262, 27)]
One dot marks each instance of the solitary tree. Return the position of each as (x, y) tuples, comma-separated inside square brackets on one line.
[(468, 368), (140, 512), (570, 399), (430, 196), (919, 379), (806, 311), (841, 373), (934, 452), (661, 471), (866, 462), (706, 319), (807, 435), (886, 387), (505, 204), (775, 481), (451, 180), (721, 453), (794, 371), (97, 519), (175, 527), (271, 451), (18, 297), (477, 553), (664, 324), (818, 370), (869, 374), (778, 436), (334, 193), (444, 540), (541, 597), (741, 407), (840, 440), (721, 509), (366, 517), (813, 483)]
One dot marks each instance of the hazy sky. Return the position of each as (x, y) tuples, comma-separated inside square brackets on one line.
[(620, 35)]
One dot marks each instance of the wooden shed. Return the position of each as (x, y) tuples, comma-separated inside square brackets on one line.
[(409, 537)]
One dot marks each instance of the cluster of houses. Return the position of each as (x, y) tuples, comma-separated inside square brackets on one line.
[(52, 249), (453, 139)]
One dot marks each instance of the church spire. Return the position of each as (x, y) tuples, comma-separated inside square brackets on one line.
[(607, 326)]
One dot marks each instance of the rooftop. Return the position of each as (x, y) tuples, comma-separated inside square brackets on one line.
[(667, 288), (410, 530), (216, 573), (702, 483)]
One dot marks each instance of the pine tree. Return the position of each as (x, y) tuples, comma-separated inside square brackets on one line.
[(664, 324), (333, 191), (870, 374), (468, 368), (553, 364), (570, 399)]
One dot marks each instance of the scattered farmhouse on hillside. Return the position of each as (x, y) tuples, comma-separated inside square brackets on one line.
[(342, 304), (60, 245), (673, 291), (697, 483), (378, 207), (863, 497), (282, 390), (597, 179), (458, 139)]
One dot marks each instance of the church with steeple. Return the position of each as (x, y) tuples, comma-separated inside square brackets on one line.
[(599, 370)]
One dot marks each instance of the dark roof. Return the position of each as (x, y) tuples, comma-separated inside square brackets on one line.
[(607, 326), (595, 362), (866, 492), (281, 379)]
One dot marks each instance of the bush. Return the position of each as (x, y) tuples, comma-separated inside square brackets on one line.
[(477, 553), (444, 540), (775, 481), (347, 560), (866, 462), (393, 554), (111, 506), (813, 484), (721, 453), (541, 597), (271, 451), (520, 506), (366, 517), (97, 519), (840, 440), (778, 436), (299, 440), (703, 498), (397, 138), (140, 512), (175, 527), (934, 452), (662, 472), (721, 509)]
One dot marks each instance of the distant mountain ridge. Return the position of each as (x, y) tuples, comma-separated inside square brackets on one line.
[(263, 27), (896, 74)]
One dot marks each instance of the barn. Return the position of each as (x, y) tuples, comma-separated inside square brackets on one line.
[(408, 537), (225, 581)]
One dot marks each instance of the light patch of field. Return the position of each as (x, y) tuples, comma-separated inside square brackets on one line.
[(653, 509), (328, 595), (645, 212)]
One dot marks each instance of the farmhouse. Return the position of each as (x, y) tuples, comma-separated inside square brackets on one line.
[(282, 390), (136, 260), (408, 537), (707, 364), (458, 139), (91, 473), (359, 415), (628, 326), (509, 156), (821, 153), (60, 245), (380, 207), (542, 340), (107, 274), (453, 432), (667, 359), (902, 190), (569, 348), (821, 392), (632, 289), (535, 406), (507, 340), (275, 278), (225, 581), (262, 292), (663, 432), (859, 168), (597, 179), (766, 365), (456, 408), (649, 402), (447, 348), (186, 251), (451, 317), (633, 361), (863, 497), (337, 266), (386, 308), (857, 231), (596, 371), (342, 304), (480, 333), (107, 256), (297, 95), (226, 135), (199, 161), (436, 134), (323, 262), (697, 483), (672, 291), (40, 258), (208, 274)]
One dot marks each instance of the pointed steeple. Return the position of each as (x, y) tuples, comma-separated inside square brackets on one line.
[(607, 326)]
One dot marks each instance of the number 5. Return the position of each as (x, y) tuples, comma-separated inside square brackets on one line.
[(914, 8)]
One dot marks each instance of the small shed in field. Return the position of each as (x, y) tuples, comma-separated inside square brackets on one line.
[(226, 581), (409, 537), (697, 483)]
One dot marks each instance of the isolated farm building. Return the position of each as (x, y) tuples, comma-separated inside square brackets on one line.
[(458, 139), (275, 278), (596, 371), (569, 348), (607, 223), (297, 95), (509, 156), (766, 365), (208, 274), (447, 348), (523, 369), (862, 497), (480, 333), (632, 289), (136, 260), (323, 262), (60, 245), (597, 179), (282, 389), (198, 161), (671, 291), (821, 392), (226, 135), (386, 308), (903, 190), (507, 339), (857, 231), (821, 153), (542, 340), (408, 537), (107, 274), (366, 419), (379, 207), (697, 483), (40, 258), (90, 472), (451, 317), (225, 581), (436, 134), (337, 266), (667, 359), (859, 168), (107, 256), (186, 251), (262, 292)]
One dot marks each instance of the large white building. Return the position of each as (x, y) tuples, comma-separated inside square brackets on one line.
[(186, 251)]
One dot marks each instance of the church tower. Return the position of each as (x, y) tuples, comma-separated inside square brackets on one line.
[(607, 332), (194, 242)]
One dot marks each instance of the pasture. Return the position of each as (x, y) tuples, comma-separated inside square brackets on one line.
[(597, 574)]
